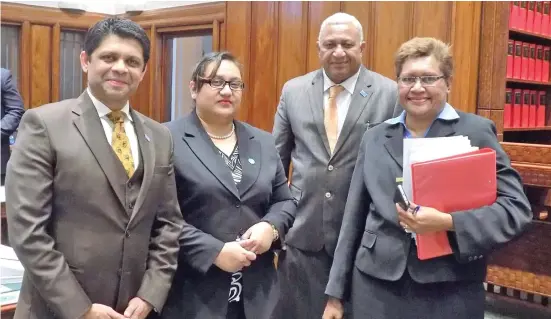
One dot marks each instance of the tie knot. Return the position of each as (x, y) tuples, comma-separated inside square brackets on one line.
[(116, 117), (335, 90)]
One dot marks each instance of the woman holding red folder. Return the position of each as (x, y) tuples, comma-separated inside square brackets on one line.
[(375, 266)]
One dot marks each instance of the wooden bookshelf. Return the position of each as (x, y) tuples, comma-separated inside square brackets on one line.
[(537, 83), (529, 36)]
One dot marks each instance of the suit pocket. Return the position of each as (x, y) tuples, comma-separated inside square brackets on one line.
[(161, 170), (295, 192), (368, 239)]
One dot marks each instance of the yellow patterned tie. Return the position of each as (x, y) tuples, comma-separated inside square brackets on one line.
[(120, 142)]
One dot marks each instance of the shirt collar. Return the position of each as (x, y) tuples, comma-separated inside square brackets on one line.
[(348, 84), (103, 110), (447, 113)]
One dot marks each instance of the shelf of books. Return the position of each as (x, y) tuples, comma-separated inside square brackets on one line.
[(515, 92)]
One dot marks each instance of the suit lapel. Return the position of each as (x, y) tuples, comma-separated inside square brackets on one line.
[(249, 154), (357, 105), (200, 144), (315, 94), (88, 124), (147, 150), (395, 143)]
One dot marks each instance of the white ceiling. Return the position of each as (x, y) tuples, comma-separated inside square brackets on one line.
[(110, 6)]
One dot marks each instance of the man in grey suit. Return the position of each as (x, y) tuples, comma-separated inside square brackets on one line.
[(320, 121), (91, 197)]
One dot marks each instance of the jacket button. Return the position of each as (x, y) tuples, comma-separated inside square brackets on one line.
[(237, 205), (127, 234), (470, 258), (330, 168), (131, 206), (328, 195)]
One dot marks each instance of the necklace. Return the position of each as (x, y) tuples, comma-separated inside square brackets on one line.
[(224, 137)]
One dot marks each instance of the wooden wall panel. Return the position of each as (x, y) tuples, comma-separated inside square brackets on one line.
[(363, 11), (317, 12), (25, 68), (55, 78), (432, 19), (465, 40), (41, 48), (292, 42), (392, 28), (238, 41), (263, 81), (140, 100)]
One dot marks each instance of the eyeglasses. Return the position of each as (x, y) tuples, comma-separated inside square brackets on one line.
[(219, 84), (425, 80)]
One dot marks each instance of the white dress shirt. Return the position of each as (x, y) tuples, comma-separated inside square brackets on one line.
[(343, 99), (103, 111)]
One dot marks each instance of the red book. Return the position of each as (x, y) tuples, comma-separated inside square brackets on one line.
[(533, 108), (545, 27), (508, 109), (538, 17), (539, 62), (517, 59), (458, 183), (514, 14), (525, 111), (517, 107), (545, 65), (532, 62), (540, 112), (510, 50), (530, 16), (521, 19), (525, 60)]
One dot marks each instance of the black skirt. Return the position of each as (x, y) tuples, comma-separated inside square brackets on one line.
[(380, 299)]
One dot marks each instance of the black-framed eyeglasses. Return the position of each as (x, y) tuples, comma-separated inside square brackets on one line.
[(219, 84), (425, 80)]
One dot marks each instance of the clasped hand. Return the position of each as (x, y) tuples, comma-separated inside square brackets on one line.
[(136, 309), (236, 255), (425, 220)]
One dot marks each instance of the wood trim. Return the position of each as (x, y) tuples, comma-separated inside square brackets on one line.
[(216, 35), (175, 13), (56, 37), (19, 13), (24, 67), (153, 74), (528, 153), (534, 175), (185, 20), (184, 28), (162, 81)]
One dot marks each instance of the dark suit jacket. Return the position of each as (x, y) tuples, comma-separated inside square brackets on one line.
[(210, 201), (71, 223), (320, 180), (12, 110), (371, 238)]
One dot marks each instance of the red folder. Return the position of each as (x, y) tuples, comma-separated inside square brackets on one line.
[(545, 30), (517, 60), (508, 109), (517, 107), (538, 17), (532, 62), (510, 50), (525, 108), (525, 60), (521, 19), (452, 184), (514, 14), (533, 108), (539, 62), (545, 65), (540, 112), (530, 11)]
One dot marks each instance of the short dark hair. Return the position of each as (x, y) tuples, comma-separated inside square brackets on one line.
[(123, 28), (206, 60)]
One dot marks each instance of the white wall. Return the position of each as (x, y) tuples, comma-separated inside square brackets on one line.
[(111, 6)]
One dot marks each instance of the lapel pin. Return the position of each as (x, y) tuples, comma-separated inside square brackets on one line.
[(251, 161), (362, 93), (147, 138)]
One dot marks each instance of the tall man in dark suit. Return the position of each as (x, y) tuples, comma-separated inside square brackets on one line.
[(319, 123), (12, 110), (91, 198)]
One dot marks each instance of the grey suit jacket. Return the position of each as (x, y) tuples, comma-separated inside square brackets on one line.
[(222, 211), (70, 222), (320, 180), (371, 238)]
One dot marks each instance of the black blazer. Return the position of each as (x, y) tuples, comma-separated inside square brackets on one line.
[(220, 211), (371, 238)]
